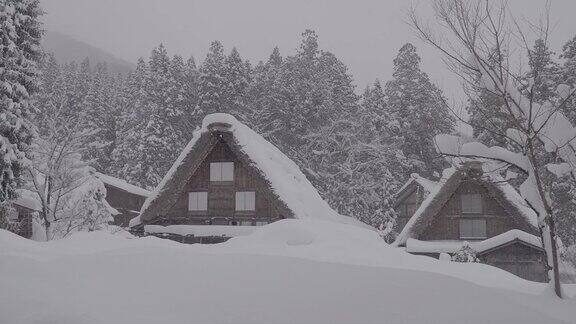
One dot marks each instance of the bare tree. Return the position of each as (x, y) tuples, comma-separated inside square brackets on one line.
[(71, 196), (484, 44)]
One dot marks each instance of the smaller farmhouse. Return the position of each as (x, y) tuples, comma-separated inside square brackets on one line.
[(227, 181), (470, 207), (19, 215), (125, 198)]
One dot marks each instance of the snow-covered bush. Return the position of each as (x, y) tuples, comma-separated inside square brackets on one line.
[(465, 254)]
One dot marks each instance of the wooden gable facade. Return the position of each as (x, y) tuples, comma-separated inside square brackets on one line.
[(469, 207), (244, 198), (215, 183)]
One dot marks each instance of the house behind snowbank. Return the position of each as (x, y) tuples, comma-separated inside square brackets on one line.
[(227, 181), (125, 198), (20, 214), (473, 208)]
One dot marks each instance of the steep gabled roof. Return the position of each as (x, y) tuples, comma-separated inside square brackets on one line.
[(122, 185), (415, 181), (286, 180), (451, 179)]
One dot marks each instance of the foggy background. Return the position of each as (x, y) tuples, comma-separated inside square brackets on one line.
[(365, 35)]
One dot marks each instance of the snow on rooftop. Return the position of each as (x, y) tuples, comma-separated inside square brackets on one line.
[(28, 199), (201, 230), (122, 184), (285, 177), (417, 246)]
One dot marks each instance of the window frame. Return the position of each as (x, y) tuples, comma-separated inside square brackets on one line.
[(240, 200), (471, 212), (473, 228), (217, 171), (198, 195)]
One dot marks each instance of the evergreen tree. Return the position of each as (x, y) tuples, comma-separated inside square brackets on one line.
[(421, 110), (101, 115), (212, 80), (236, 79), (20, 54)]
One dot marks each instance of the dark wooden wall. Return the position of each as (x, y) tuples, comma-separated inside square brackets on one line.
[(446, 225), (409, 203), (520, 259), (221, 195), (128, 204)]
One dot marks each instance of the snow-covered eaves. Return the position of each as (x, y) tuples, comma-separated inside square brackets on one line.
[(285, 178), (201, 230), (122, 185), (417, 246)]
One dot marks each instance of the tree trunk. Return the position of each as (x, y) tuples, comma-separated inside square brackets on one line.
[(555, 270)]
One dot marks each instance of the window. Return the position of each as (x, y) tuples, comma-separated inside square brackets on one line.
[(471, 204), (246, 200), (197, 201), (222, 171), (246, 222), (261, 223), (472, 228)]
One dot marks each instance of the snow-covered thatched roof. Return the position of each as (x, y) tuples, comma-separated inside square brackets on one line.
[(286, 180), (122, 185), (451, 179)]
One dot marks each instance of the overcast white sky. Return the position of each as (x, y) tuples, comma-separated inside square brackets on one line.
[(366, 35)]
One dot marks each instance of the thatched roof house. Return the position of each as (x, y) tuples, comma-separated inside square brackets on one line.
[(481, 209), (228, 175)]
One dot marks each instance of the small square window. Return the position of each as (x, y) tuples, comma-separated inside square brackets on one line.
[(245, 200), (472, 228), (471, 203), (198, 201), (222, 171)]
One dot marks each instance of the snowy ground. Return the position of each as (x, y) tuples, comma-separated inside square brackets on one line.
[(287, 272)]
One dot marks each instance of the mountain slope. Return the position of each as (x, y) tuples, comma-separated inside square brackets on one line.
[(67, 49)]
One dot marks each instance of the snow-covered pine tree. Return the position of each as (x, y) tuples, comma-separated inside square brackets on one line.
[(20, 53), (236, 80), (421, 109), (263, 96), (101, 113), (212, 81)]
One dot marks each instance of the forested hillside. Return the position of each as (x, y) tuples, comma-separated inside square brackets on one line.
[(358, 150)]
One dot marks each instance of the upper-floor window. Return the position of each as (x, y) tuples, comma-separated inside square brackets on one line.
[(222, 171), (245, 200), (471, 203), (472, 228), (198, 201)]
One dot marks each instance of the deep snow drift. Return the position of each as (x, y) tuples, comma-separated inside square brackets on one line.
[(293, 271)]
